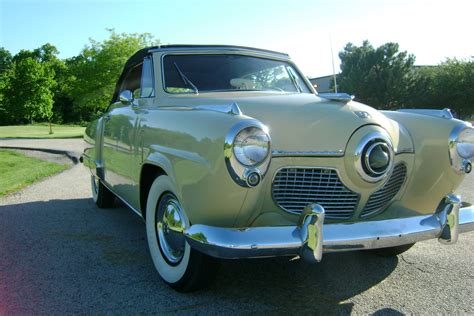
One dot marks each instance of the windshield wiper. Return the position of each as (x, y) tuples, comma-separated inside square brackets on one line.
[(293, 79), (185, 79)]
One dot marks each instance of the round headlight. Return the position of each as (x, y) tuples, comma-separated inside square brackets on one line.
[(251, 146), (465, 143)]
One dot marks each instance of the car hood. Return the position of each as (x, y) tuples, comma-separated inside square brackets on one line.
[(299, 122)]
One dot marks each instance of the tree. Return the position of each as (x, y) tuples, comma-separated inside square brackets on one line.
[(97, 69), (47, 54), (29, 93), (5, 60), (453, 86), (382, 77), (5, 68)]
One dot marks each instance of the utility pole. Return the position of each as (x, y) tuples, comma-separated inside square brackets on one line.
[(333, 69)]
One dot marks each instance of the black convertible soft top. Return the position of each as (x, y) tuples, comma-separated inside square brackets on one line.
[(139, 55)]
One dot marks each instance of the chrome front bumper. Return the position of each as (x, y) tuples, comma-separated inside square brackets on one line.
[(311, 238)]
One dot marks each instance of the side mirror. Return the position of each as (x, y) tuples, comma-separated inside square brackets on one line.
[(126, 97)]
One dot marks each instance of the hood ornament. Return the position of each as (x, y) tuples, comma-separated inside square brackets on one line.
[(341, 97), (232, 109)]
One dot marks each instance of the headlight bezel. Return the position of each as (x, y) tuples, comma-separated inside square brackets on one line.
[(239, 171), (459, 162), (362, 156)]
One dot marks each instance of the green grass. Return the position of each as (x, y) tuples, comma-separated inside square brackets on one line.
[(17, 171), (41, 131)]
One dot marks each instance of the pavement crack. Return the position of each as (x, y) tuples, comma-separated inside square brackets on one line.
[(406, 261)]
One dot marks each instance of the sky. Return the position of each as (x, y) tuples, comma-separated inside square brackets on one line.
[(431, 30)]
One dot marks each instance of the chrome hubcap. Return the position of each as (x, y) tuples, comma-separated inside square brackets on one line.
[(170, 227)]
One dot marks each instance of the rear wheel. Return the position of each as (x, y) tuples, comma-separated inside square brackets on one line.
[(180, 266), (102, 196), (391, 251)]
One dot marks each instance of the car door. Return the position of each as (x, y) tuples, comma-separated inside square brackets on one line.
[(121, 153)]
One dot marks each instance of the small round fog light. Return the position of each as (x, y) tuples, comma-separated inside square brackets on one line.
[(253, 179)]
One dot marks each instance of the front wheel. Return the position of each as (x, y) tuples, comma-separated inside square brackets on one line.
[(102, 196), (392, 251), (180, 266)]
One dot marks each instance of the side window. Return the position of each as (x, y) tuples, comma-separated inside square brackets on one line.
[(147, 85), (132, 81)]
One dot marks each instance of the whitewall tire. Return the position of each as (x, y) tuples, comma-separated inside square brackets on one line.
[(180, 266), (102, 196)]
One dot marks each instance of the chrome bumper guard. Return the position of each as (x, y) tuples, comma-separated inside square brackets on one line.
[(311, 238)]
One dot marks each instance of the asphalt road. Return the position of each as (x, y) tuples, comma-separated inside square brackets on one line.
[(60, 254)]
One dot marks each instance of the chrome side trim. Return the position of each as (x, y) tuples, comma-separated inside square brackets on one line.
[(323, 153), (287, 240), (326, 153), (123, 200), (343, 97), (229, 109), (130, 206), (407, 150), (444, 113)]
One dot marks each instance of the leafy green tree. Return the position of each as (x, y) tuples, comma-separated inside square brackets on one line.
[(3, 109), (453, 84), (5, 60), (24, 54), (47, 54), (5, 68), (382, 77), (97, 69), (29, 93)]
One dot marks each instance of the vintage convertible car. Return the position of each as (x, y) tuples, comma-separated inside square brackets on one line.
[(229, 152)]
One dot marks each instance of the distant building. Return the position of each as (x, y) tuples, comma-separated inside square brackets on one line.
[(323, 84)]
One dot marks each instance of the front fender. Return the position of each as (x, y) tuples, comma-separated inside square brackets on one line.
[(189, 146), (432, 177)]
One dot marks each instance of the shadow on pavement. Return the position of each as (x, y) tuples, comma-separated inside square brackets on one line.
[(68, 256)]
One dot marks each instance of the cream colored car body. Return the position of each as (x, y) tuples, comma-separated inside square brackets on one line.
[(183, 135)]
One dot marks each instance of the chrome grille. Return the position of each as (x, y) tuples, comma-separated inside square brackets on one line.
[(380, 198), (294, 188)]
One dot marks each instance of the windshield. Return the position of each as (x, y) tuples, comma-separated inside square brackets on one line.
[(205, 73)]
